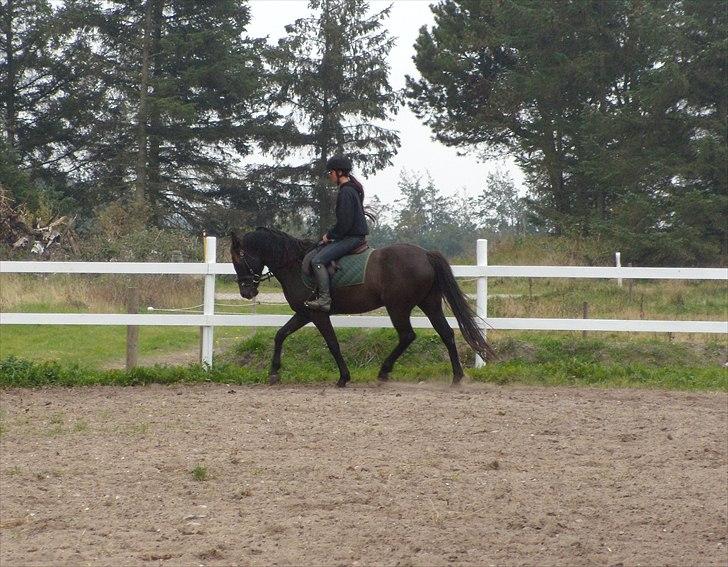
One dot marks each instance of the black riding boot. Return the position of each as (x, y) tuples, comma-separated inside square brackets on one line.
[(323, 303)]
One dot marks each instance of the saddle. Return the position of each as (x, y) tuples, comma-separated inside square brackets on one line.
[(332, 266)]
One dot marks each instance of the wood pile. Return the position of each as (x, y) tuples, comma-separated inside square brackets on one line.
[(22, 231)]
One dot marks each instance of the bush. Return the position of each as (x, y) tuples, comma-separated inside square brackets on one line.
[(123, 234)]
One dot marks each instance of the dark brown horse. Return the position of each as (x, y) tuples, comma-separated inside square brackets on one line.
[(398, 277)]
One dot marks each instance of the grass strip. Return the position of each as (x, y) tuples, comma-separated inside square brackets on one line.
[(536, 359)]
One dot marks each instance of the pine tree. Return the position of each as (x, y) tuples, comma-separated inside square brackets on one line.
[(429, 219), (615, 110), (50, 92), (516, 77), (183, 104), (332, 96)]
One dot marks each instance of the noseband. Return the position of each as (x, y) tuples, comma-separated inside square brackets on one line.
[(254, 278)]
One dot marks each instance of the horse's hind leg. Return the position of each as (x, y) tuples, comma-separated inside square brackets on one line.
[(400, 317), (432, 307)]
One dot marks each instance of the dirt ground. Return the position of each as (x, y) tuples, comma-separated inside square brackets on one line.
[(404, 474)]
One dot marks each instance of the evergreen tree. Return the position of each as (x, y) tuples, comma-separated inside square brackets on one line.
[(50, 91), (332, 95), (381, 231), (615, 110), (183, 103), (516, 76), (656, 156)]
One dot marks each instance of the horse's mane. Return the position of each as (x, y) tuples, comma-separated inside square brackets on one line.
[(279, 248)]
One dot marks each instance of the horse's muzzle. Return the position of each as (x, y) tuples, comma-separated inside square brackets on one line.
[(248, 292)]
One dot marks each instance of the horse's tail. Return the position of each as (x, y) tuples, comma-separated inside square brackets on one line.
[(466, 317)]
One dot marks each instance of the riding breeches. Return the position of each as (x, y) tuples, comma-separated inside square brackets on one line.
[(337, 249)]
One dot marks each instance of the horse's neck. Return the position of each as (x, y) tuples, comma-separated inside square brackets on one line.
[(290, 276), (287, 274), (291, 280)]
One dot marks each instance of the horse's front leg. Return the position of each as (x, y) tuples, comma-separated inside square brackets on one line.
[(323, 324), (293, 324)]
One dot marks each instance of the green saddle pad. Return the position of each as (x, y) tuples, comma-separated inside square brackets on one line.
[(351, 270)]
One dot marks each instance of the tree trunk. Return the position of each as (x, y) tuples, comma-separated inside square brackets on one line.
[(322, 191), (141, 165), (10, 118), (154, 178)]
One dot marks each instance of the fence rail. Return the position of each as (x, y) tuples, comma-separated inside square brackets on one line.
[(199, 268), (482, 271)]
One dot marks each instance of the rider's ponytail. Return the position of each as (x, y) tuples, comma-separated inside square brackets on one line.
[(358, 186), (360, 189)]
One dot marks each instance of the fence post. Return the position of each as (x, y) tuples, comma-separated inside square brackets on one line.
[(132, 331), (208, 302), (618, 259), (481, 301)]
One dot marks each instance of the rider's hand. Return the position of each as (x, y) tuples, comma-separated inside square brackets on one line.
[(325, 239)]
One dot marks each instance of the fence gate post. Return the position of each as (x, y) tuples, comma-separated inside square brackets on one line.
[(208, 302), (481, 298)]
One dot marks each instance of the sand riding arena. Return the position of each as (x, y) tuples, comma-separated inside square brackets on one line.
[(405, 474)]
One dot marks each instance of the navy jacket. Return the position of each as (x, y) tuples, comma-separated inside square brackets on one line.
[(350, 219)]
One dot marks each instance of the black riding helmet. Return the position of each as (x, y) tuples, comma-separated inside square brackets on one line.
[(339, 162)]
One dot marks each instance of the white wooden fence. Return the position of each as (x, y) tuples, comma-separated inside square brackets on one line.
[(208, 320)]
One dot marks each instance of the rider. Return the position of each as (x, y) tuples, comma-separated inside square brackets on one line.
[(347, 234)]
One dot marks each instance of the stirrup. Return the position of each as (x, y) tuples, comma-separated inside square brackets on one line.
[(319, 304)]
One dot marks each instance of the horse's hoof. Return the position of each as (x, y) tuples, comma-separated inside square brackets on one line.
[(273, 379), (383, 377), (341, 383), (456, 382)]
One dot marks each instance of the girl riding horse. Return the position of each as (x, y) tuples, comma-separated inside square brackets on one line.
[(346, 235)]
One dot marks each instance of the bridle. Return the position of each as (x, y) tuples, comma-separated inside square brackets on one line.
[(254, 278)]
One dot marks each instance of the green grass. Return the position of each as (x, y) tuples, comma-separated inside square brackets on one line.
[(88, 345), (96, 346), (15, 372), (646, 299), (603, 358), (200, 473), (560, 360)]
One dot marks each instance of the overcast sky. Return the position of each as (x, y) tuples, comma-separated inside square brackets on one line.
[(418, 152)]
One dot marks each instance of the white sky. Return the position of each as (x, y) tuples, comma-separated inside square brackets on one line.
[(418, 152)]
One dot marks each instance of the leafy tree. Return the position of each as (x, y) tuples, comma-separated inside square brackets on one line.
[(498, 207), (12, 179), (515, 76), (431, 220), (381, 231), (661, 151), (332, 94)]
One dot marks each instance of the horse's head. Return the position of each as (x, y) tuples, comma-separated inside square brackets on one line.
[(248, 267), (252, 251)]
